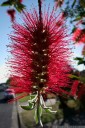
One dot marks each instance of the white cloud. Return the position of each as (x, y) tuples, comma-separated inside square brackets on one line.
[(4, 73)]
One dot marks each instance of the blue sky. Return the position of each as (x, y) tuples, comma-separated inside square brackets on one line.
[(5, 30)]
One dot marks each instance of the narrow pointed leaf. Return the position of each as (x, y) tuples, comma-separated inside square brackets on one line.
[(19, 7), (78, 58), (78, 18), (28, 107), (7, 3), (73, 3), (37, 116), (73, 76), (49, 110)]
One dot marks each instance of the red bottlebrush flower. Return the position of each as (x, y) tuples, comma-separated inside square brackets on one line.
[(79, 36), (17, 83), (74, 88), (20, 1), (40, 54), (11, 13)]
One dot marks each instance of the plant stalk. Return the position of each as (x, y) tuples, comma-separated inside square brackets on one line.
[(38, 109), (40, 11)]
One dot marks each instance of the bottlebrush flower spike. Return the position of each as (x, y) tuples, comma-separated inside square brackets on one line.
[(74, 88), (40, 53), (79, 35), (11, 13)]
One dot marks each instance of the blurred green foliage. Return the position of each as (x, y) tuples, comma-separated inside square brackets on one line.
[(15, 3)]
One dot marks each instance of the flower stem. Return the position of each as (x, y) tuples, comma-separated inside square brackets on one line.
[(40, 12), (38, 109)]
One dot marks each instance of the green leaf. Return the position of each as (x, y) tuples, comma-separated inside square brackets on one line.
[(38, 115), (80, 62), (78, 18), (73, 3), (73, 30), (7, 3), (49, 110), (79, 58), (28, 107), (19, 7), (40, 110), (74, 77), (32, 97)]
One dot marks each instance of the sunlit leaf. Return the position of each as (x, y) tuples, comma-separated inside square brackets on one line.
[(49, 110), (38, 115), (28, 107), (73, 76), (32, 97)]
